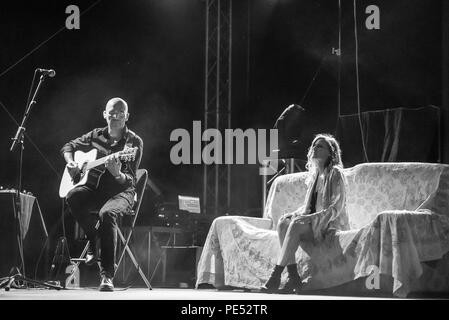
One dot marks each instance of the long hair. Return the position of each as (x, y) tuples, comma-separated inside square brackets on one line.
[(334, 158)]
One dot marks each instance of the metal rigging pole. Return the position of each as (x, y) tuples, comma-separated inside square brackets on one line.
[(217, 100)]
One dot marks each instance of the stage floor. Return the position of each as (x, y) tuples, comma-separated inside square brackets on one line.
[(177, 303), (161, 294)]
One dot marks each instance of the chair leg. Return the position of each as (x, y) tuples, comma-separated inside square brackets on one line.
[(127, 239), (78, 261), (81, 258), (133, 259), (122, 255)]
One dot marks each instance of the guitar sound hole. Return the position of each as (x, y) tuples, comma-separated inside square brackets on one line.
[(80, 174), (77, 178)]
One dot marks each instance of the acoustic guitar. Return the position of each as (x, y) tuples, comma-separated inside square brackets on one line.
[(90, 172)]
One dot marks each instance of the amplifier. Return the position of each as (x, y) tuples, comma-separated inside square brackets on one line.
[(33, 230)]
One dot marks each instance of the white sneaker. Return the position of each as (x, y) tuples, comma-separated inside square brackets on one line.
[(106, 284), (92, 255), (91, 259)]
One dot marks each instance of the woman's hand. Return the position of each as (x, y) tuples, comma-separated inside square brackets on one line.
[(298, 213), (294, 214), (305, 217), (302, 219), (287, 215)]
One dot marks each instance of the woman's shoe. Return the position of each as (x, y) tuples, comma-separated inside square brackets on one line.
[(293, 285), (272, 284), (298, 290)]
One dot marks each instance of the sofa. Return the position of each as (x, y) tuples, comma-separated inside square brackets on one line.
[(399, 232)]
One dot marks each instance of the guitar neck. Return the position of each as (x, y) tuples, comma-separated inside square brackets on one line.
[(98, 162)]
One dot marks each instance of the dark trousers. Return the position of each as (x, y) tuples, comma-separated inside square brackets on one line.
[(82, 200)]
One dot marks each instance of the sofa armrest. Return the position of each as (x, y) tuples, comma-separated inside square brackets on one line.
[(287, 193), (262, 223)]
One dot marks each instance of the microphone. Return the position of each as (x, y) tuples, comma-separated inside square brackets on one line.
[(48, 72)]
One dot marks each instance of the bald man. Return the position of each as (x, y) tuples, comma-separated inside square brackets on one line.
[(115, 193)]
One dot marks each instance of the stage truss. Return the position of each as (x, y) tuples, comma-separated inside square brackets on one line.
[(217, 100)]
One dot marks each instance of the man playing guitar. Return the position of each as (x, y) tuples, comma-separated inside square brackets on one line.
[(113, 189)]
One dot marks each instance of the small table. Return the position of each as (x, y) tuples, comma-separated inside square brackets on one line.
[(198, 251), (171, 245)]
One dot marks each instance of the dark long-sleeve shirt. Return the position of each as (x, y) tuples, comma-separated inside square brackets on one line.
[(100, 139)]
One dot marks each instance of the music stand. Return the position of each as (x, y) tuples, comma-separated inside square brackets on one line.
[(15, 274)]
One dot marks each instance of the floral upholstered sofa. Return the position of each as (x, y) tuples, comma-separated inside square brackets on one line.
[(399, 218)]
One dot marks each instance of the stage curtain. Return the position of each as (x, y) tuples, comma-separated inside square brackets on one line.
[(391, 135)]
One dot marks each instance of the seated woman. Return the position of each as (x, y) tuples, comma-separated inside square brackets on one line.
[(323, 214)]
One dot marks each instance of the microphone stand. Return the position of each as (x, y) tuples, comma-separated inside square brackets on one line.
[(17, 142)]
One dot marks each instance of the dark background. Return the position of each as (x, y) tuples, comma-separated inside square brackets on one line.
[(151, 53)]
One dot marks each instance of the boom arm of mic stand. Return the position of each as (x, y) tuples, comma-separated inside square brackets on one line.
[(18, 138), (19, 134)]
